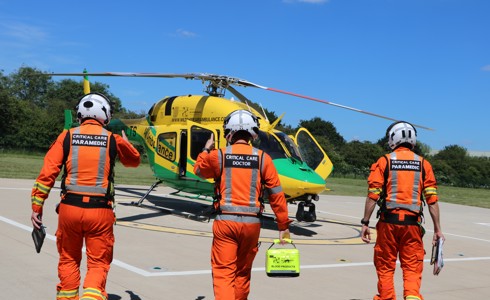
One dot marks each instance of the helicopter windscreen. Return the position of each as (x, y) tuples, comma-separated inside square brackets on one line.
[(290, 145), (269, 144)]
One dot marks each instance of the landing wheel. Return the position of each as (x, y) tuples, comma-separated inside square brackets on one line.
[(308, 215)]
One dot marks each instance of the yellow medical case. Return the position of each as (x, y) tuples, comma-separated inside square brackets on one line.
[(282, 262)]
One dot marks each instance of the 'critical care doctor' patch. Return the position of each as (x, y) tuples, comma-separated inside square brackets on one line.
[(242, 161)]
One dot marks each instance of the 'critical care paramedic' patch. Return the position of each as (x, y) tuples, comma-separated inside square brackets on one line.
[(242, 161), (405, 165), (89, 140)]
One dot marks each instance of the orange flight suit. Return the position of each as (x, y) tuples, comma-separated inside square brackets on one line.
[(241, 172), (399, 233), (88, 155)]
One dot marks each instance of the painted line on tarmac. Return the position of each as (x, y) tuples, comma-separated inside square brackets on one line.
[(53, 238), (145, 273), (428, 230), (24, 227), (356, 240), (464, 236)]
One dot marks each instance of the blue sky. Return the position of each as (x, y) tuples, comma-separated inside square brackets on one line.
[(423, 61)]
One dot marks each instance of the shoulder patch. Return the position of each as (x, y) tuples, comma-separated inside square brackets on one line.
[(405, 165), (89, 140), (242, 161)]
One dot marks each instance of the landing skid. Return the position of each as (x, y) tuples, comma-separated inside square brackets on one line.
[(202, 216), (153, 186)]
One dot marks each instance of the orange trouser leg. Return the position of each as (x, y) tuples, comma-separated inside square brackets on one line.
[(405, 241), (95, 226), (69, 241), (232, 254), (385, 255), (99, 242), (412, 261)]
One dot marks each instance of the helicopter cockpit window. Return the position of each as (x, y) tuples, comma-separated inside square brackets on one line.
[(199, 136), (166, 145), (309, 150), (270, 145), (290, 145), (153, 112), (150, 111)]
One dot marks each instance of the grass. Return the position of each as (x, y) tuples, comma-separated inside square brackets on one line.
[(28, 166), (450, 194)]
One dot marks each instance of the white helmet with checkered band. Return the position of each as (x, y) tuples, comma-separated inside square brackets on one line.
[(401, 132), (241, 120), (95, 106)]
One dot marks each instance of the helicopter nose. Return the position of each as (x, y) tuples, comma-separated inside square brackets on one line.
[(298, 181)]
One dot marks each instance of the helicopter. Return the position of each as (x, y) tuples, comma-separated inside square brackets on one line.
[(176, 128)]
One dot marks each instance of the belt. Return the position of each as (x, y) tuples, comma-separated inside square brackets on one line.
[(86, 201), (392, 218)]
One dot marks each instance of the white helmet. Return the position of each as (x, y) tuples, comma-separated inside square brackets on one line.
[(95, 106), (401, 132), (241, 120)]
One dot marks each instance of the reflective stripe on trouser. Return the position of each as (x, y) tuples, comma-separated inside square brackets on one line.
[(93, 294), (67, 295), (95, 227), (235, 245), (404, 241)]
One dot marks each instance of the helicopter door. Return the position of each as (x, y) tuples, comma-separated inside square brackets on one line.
[(312, 153), (183, 154), (196, 140)]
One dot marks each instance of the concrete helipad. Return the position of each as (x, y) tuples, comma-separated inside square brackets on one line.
[(162, 253)]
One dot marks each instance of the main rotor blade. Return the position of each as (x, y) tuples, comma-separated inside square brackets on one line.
[(341, 106), (226, 81)]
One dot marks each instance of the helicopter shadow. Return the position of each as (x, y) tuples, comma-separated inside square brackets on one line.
[(192, 209), (198, 211)]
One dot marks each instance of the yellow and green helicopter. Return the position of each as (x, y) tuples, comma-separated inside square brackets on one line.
[(175, 130)]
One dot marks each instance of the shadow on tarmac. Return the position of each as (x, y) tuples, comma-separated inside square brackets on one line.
[(132, 296), (162, 206)]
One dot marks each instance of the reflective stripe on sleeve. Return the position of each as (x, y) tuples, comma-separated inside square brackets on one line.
[(430, 191), (275, 190), (42, 188), (38, 201)]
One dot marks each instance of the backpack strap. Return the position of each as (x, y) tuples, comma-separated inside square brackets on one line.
[(66, 152), (112, 162), (262, 181), (217, 183), (382, 197), (422, 198)]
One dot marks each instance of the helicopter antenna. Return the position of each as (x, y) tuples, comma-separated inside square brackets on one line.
[(263, 112)]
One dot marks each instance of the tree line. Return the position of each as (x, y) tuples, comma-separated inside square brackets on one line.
[(32, 108)]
